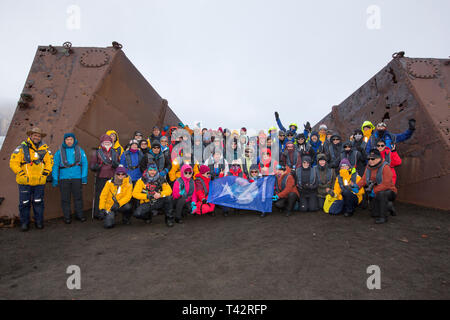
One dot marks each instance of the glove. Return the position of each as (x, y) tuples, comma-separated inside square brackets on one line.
[(393, 148), (45, 173), (181, 192), (166, 128), (331, 193), (277, 116), (84, 180), (307, 126), (181, 124), (21, 173), (204, 201), (275, 198), (355, 189), (115, 207), (193, 206), (372, 194), (412, 124)]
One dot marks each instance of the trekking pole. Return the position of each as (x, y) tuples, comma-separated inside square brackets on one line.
[(93, 198)]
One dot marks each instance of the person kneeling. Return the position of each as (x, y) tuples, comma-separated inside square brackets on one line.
[(154, 193), (115, 197), (184, 197), (286, 193), (346, 191), (379, 184)]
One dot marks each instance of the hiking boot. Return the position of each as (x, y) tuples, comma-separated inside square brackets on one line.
[(179, 221), (263, 214), (67, 221), (39, 225), (169, 223), (391, 208), (82, 219), (24, 227), (380, 220), (288, 214), (348, 214), (148, 221)]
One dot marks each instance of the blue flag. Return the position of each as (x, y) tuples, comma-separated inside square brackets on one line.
[(239, 193)]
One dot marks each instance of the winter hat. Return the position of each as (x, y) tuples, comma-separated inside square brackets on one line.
[(138, 133), (300, 136), (152, 166), (244, 129), (203, 169), (321, 156), (254, 167), (374, 153), (142, 141), (281, 133), (307, 159), (133, 141), (329, 132), (290, 132), (315, 133), (164, 138), (121, 169), (347, 144), (345, 162), (156, 144), (105, 137), (323, 127)]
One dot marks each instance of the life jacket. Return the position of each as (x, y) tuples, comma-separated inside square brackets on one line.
[(63, 154), (288, 159), (26, 154), (160, 161), (379, 177), (154, 186), (129, 162), (183, 187), (221, 168), (313, 175), (203, 185), (331, 149), (329, 175), (341, 181), (283, 183), (113, 160)]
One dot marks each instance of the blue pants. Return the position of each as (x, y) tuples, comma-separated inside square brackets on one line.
[(31, 195)]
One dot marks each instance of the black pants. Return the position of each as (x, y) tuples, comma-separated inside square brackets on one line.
[(109, 219), (320, 202), (350, 201), (179, 205), (308, 202), (99, 185), (380, 203), (144, 211), (69, 188), (287, 203)]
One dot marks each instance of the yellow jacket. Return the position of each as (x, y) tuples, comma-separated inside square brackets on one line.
[(175, 173), (122, 193), (346, 179), (142, 196), (117, 145), (32, 173)]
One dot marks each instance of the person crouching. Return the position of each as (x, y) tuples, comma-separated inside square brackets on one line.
[(184, 197), (115, 197), (286, 193), (202, 180), (154, 193)]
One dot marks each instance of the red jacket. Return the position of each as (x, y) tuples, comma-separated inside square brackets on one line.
[(201, 194), (290, 184), (394, 161), (387, 183)]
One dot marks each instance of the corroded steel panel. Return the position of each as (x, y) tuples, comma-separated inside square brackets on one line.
[(82, 90), (408, 88)]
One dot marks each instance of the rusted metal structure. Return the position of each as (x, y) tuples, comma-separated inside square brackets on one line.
[(408, 88), (85, 91)]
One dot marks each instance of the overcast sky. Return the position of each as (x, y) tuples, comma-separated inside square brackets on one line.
[(232, 63)]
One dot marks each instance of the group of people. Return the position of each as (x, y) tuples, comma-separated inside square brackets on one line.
[(170, 171)]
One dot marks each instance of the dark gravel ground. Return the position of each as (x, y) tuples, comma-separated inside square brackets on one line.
[(305, 256)]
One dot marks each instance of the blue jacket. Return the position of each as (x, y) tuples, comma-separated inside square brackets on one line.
[(75, 172), (135, 174), (280, 125), (388, 139)]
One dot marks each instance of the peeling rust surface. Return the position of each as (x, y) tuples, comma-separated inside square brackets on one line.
[(408, 88), (82, 90)]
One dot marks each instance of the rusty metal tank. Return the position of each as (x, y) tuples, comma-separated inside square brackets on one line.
[(82, 90), (408, 88)]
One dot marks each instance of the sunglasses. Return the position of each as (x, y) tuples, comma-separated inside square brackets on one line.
[(380, 145), (371, 158), (347, 147), (254, 171), (188, 172), (121, 174), (156, 147), (335, 139)]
